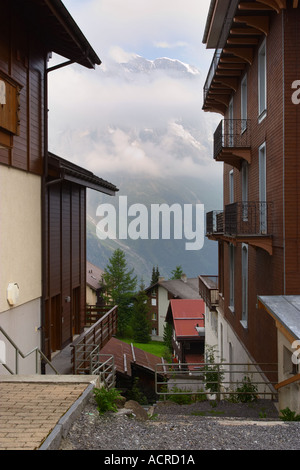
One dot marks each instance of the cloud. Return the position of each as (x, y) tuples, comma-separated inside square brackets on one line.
[(138, 25), (125, 116), (166, 45)]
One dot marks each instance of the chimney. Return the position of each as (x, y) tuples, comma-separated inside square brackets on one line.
[(184, 277)]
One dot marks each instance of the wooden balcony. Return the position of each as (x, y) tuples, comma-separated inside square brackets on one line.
[(93, 313), (208, 290), (243, 222), (97, 335), (232, 142)]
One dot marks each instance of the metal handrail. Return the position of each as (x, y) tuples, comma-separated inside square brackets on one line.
[(18, 353), (186, 373)]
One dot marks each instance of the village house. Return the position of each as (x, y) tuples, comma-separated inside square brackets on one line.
[(254, 319), (93, 284), (187, 318), (42, 196), (160, 294)]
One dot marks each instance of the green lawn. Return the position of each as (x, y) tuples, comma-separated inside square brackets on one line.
[(154, 347)]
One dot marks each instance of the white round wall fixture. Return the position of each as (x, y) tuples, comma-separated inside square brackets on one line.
[(12, 293)]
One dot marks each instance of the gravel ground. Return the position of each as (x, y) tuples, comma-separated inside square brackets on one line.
[(176, 428)]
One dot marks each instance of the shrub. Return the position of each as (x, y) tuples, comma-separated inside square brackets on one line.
[(288, 415), (106, 399), (247, 392)]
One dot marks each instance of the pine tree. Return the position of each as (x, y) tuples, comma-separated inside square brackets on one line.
[(120, 285), (167, 336), (140, 322), (155, 275), (177, 273)]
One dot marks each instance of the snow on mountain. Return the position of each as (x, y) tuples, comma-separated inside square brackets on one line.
[(141, 120), (139, 64)]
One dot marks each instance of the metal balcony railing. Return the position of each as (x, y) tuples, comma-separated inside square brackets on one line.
[(248, 218), (214, 222), (241, 218), (231, 133)]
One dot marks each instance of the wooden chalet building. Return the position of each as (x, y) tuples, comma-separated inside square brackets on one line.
[(187, 317), (42, 196), (159, 296), (250, 84)]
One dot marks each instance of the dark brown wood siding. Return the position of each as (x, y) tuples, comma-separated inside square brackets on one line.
[(23, 61), (66, 257)]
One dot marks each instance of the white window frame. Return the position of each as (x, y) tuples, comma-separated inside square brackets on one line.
[(244, 177), (231, 187), (262, 155), (231, 276), (262, 81), (244, 99)]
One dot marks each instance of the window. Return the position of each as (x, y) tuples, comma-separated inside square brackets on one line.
[(231, 277), (262, 189), (153, 302), (244, 285), (244, 104), (244, 175), (262, 81), (154, 316), (9, 110)]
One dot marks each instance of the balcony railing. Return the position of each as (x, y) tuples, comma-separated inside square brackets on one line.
[(93, 313), (248, 218), (231, 134), (214, 222), (209, 291), (96, 335), (241, 218)]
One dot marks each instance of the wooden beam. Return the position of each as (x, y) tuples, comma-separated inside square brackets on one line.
[(215, 108), (224, 99), (234, 66), (243, 41), (246, 31), (228, 73), (259, 22), (254, 6), (271, 3), (232, 60), (245, 53), (228, 81), (289, 381)]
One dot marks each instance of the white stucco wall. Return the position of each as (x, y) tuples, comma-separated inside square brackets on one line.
[(163, 304), (22, 325), (21, 256), (20, 232), (289, 395), (230, 350)]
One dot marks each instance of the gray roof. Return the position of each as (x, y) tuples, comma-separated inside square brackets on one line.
[(182, 289), (285, 309), (93, 276)]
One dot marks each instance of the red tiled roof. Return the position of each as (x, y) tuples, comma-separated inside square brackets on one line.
[(193, 359), (124, 354), (187, 314)]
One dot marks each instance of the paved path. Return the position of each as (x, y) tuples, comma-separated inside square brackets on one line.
[(35, 410)]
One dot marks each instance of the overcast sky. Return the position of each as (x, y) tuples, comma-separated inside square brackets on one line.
[(150, 28), (96, 117)]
